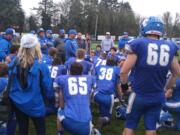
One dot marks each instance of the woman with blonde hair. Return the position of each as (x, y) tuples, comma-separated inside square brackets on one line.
[(30, 78)]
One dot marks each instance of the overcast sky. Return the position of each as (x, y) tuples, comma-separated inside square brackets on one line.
[(142, 7)]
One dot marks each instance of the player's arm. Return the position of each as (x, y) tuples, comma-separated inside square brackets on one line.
[(61, 100), (175, 73), (126, 68)]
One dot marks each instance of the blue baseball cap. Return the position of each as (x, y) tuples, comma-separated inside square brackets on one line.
[(62, 31), (10, 31), (33, 32), (72, 31), (125, 33), (40, 30), (49, 31)]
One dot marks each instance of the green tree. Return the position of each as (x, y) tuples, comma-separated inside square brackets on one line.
[(32, 22), (116, 17), (105, 15), (46, 11), (11, 14), (90, 13), (77, 15), (167, 19)]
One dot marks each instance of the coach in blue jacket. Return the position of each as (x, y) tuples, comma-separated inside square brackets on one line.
[(71, 44), (123, 40), (30, 79), (42, 41), (5, 43)]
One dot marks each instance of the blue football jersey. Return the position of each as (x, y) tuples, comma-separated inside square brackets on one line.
[(154, 59), (99, 62), (76, 91), (107, 78), (87, 66), (57, 70), (115, 57)]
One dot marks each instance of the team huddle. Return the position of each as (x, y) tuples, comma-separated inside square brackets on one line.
[(72, 79)]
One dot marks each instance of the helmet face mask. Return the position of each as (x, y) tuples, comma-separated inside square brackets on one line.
[(166, 120), (152, 26), (121, 112)]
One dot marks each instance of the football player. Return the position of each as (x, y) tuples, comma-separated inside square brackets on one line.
[(48, 59), (152, 59), (74, 112), (71, 44), (49, 38), (107, 82), (42, 41), (173, 102), (113, 54), (99, 61), (56, 69), (98, 50), (80, 57)]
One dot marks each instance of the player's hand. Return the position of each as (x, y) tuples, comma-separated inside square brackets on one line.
[(168, 93)]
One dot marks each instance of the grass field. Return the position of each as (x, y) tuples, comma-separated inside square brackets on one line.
[(115, 127)]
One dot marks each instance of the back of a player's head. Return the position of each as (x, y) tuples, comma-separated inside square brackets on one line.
[(14, 48), (80, 54), (3, 69), (110, 62), (98, 46), (52, 52), (76, 68), (152, 26), (103, 55), (113, 48), (57, 61)]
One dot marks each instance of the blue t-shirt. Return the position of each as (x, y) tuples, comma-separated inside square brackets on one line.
[(76, 91), (107, 78), (154, 59), (87, 66)]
